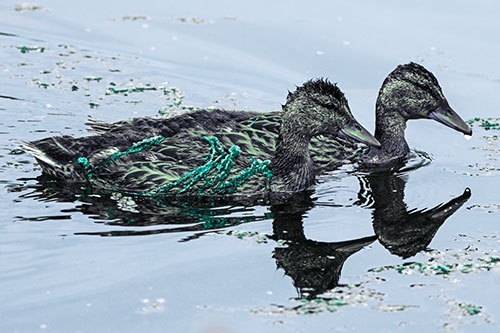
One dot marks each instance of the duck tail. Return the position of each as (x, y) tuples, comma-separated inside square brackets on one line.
[(40, 155), (98, 126)]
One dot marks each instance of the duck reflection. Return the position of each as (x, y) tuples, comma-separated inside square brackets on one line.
[(139, 214), (314, 267), (405, 232)]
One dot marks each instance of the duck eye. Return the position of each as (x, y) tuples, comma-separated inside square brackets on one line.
[(328, 104)]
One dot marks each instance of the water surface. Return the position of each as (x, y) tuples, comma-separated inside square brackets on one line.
[(405, 252)]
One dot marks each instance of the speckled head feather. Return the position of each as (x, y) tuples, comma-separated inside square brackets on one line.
[(319, 87), (411, 90), (316, 107)]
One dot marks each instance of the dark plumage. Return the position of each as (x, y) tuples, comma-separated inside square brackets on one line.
[(143, 155), (408, 92)]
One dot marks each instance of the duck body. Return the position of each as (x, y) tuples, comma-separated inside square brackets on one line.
[(165, 151), (200, 152)]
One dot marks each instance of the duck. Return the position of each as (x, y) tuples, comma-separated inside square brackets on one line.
[(409, 92), (205, 152)]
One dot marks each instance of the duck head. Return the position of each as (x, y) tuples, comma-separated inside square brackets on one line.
[(414, 93), (317, 107)]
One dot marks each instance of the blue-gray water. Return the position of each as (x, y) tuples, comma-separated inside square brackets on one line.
[(173, 272)]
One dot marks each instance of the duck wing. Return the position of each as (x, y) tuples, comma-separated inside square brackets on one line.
[(58, 155), (327, 152), (189, 163), (210, 120)]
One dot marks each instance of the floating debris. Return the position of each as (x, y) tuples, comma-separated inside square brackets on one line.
[(393, 308), (27, 6), (152, 306), (259, 236), (445, 268), (132, 18), (93, 78), (491, 147), (194, 20), (460, 313), (490, 208), (26, 49), (488, 123), (44, 85), (125, 203), (350, 295), (126, 91), (470, 309)]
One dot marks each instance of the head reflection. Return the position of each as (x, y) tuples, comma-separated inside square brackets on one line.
[(314, 267), (402, 231)]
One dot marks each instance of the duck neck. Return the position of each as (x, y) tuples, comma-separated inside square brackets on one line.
[(390, 132), (292, 167)]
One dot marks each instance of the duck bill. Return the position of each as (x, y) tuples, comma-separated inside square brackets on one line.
[(358, 133), (446, 116)]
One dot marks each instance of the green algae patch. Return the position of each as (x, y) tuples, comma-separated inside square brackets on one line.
[(26, 49), (132, 18), (332, 301), (27, 6), (393, 308), (459, 313), (491, 146), (93, 78), (468, 260), (125, 91), (192, 20), (486, 123), (446, 263), (43, 84), (259, 237), (174, 102), (470, 309)]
